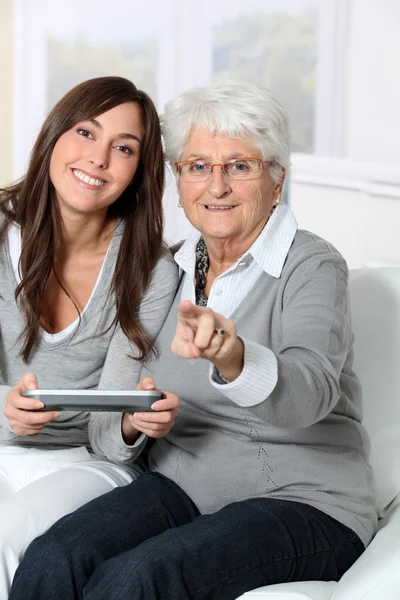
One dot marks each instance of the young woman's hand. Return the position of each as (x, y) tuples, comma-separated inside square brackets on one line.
[(19, 411), (203, 333), (154, 424)]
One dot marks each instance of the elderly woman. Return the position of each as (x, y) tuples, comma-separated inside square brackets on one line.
[(265, 476)]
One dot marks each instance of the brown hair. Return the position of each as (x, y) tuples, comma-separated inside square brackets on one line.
[(30, 203)]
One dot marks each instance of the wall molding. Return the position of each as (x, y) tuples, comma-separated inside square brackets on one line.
[(366, 177)]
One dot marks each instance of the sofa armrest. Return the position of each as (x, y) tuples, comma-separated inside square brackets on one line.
[(376, 574)]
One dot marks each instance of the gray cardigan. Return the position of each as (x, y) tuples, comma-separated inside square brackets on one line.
[(305, 441), (83, 359)]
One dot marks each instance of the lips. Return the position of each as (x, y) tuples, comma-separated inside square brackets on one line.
[(85, 178)]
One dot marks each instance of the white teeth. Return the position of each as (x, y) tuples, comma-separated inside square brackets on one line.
[(219, 207), (87, 179)]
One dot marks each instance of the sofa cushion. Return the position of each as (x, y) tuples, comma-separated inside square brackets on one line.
[(375, 307), (376, 574), (303, 590)]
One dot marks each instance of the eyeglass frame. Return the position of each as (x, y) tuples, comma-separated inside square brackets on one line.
[(222, 165)]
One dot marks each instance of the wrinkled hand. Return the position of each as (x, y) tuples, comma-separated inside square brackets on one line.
[(19, 410), (154, 424), (196, 337)]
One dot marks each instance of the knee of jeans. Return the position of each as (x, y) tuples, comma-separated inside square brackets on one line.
[(131, 571), (155, 559), (155, 482), (145, 561), (140, 572), (166, 492)]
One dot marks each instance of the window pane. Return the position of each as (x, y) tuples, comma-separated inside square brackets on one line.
[(76, 51), (70, 62), (273, 44)]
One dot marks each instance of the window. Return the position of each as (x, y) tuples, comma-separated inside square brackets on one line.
[(274, 44), (165, 46)]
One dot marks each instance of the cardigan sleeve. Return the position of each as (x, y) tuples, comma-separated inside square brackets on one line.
[(6, 432), (120, 371), (316, 342)]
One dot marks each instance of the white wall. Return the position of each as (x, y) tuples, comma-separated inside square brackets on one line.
[(354, 201), (372, 96), (355, 205), (6, 108)]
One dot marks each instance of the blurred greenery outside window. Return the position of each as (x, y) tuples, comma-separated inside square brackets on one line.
[(276, 50), (70, 62), (279, 52)]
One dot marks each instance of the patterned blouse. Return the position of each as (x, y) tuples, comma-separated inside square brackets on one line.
[(202, 264)]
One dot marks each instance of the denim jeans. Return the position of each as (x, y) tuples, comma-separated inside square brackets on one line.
[(147, 540)]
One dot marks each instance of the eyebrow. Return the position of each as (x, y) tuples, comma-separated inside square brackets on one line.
[(123, 136), (206, 157)]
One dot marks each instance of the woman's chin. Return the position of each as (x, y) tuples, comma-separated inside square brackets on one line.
[(219, 233)]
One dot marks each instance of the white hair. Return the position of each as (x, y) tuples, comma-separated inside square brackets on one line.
[(232, 109)]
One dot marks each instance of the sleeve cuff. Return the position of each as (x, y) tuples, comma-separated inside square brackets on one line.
[(121, 450), (8, 433), (257, 380)]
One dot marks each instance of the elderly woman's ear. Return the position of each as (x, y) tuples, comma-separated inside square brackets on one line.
[(279, 187), (278, 193)]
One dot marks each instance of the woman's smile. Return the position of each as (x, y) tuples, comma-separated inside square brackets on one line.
[(88, 181), (219, 208)]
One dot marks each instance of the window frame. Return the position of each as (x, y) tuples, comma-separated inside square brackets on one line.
[(185, 35)]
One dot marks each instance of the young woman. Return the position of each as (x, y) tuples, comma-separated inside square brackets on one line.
[(85, 287)]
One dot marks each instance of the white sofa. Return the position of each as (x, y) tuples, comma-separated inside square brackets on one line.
[(375, 305)]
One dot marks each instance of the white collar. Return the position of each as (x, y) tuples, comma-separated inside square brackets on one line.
[(269, 250)]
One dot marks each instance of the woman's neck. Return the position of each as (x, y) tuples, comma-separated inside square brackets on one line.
[(87, 235), (223, 254)]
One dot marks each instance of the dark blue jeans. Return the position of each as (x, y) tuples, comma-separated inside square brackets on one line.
[(147, 540)]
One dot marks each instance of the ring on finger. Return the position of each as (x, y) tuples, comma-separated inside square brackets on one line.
[(219, 331)]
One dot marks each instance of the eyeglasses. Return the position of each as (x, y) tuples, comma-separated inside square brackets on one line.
[(237, 169)]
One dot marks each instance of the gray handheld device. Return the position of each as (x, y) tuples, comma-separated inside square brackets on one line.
[(95, 400)]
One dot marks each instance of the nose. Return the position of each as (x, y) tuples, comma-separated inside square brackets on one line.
[(218, 183), (99, 156)]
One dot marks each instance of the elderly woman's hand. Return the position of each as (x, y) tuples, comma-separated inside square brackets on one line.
[(198, 335)]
